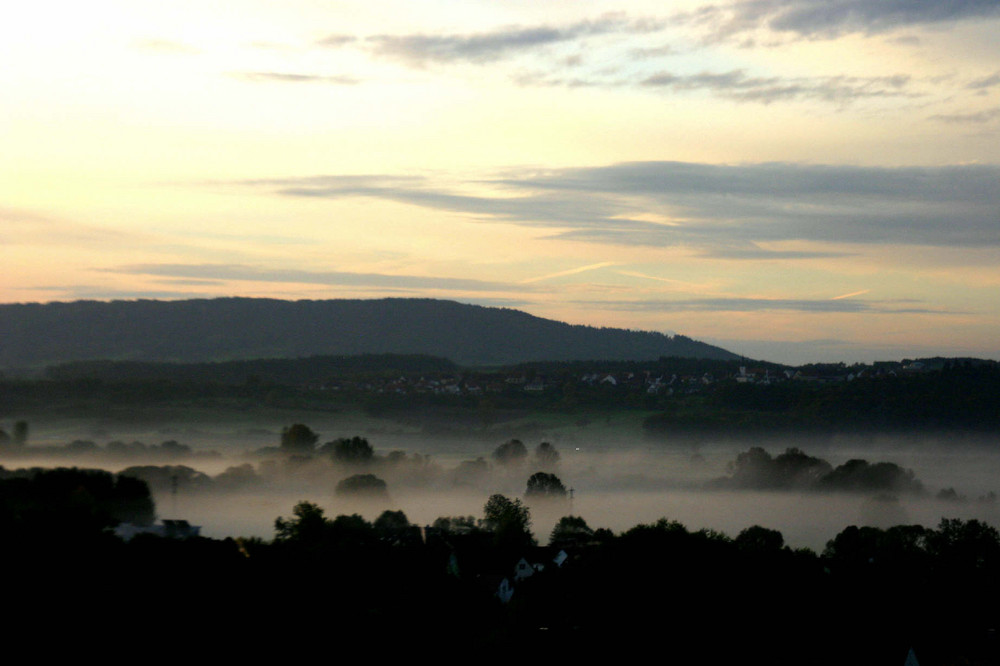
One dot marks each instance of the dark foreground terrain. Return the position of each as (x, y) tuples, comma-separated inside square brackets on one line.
[(343, 585)]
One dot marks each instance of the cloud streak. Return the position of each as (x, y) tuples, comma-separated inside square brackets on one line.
[(824, 306), (419, 50), (971, 118), (572, 271), (827, 19), (247, 273), (728, 211), (20, 227), (739, 86), (292, 77)]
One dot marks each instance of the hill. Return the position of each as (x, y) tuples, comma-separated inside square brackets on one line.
[(36, 335)]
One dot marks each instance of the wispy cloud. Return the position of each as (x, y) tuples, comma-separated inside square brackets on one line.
[(21, 227), (571, 271), (418, 50), (816, 19), (656, 278), (748, 211), (843, 305), (85, 292), (292, 77), (336, 40), (851, 295), (738, 85), (985, 82), (972, 118), (242, 272)]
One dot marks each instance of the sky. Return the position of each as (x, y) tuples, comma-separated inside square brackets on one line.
[(794, 180)]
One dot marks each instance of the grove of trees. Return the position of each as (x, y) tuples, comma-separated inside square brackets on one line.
[(545, 485)]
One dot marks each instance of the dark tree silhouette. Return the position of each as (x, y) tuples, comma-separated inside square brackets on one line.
[(353, 450), (760, 540), (395, 528), (456, 524), (570, 531), (511, 452), (298, 438), (546, 455), (543, 485), (20, 433), (509, 520), (307, 524), (391, 521), (363, 485)]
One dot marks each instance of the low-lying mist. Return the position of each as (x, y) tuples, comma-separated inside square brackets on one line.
[(249, 482)]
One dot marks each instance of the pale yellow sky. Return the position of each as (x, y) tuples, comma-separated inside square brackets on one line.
[(681, 167)]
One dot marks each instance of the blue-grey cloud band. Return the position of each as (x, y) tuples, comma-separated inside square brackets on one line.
[(417, 50), (723, 210), (832, 18), (823, 306), (242, 272)]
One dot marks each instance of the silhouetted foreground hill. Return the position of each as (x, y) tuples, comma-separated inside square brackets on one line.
[(244, 328)]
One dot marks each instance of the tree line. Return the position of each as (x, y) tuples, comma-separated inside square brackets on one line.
[(694, 596)]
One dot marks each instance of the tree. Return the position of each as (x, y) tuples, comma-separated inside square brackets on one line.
[(511, 452), (307, 525), (298, 438), (543, 485), (965, 545), (353, 450), (546, 455), (509, 520), (570, 531), (394, 527), (392, 521), (365, 485), (314, 533), (759, 540), (20, 433), (456, 524)]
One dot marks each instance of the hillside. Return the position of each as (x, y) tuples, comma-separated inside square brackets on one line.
[(35, 335)]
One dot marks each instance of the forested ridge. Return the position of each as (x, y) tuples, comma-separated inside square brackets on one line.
[(221, 329)]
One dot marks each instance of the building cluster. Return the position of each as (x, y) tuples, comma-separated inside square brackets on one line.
[(644, 381)]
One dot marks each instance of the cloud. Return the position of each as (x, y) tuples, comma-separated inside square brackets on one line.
[(83, 292), (242, 272), (543, 210), (417, 50), (336, 40), (571, 271), (826, 19), (974, 117), (655, 236), (290, 77), (732, 211), (850, 295), (20, 227), (843, 305), (737, 85), (985, 82), (496, 302)]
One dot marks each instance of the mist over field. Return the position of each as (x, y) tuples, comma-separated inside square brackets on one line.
[(237, 482)]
